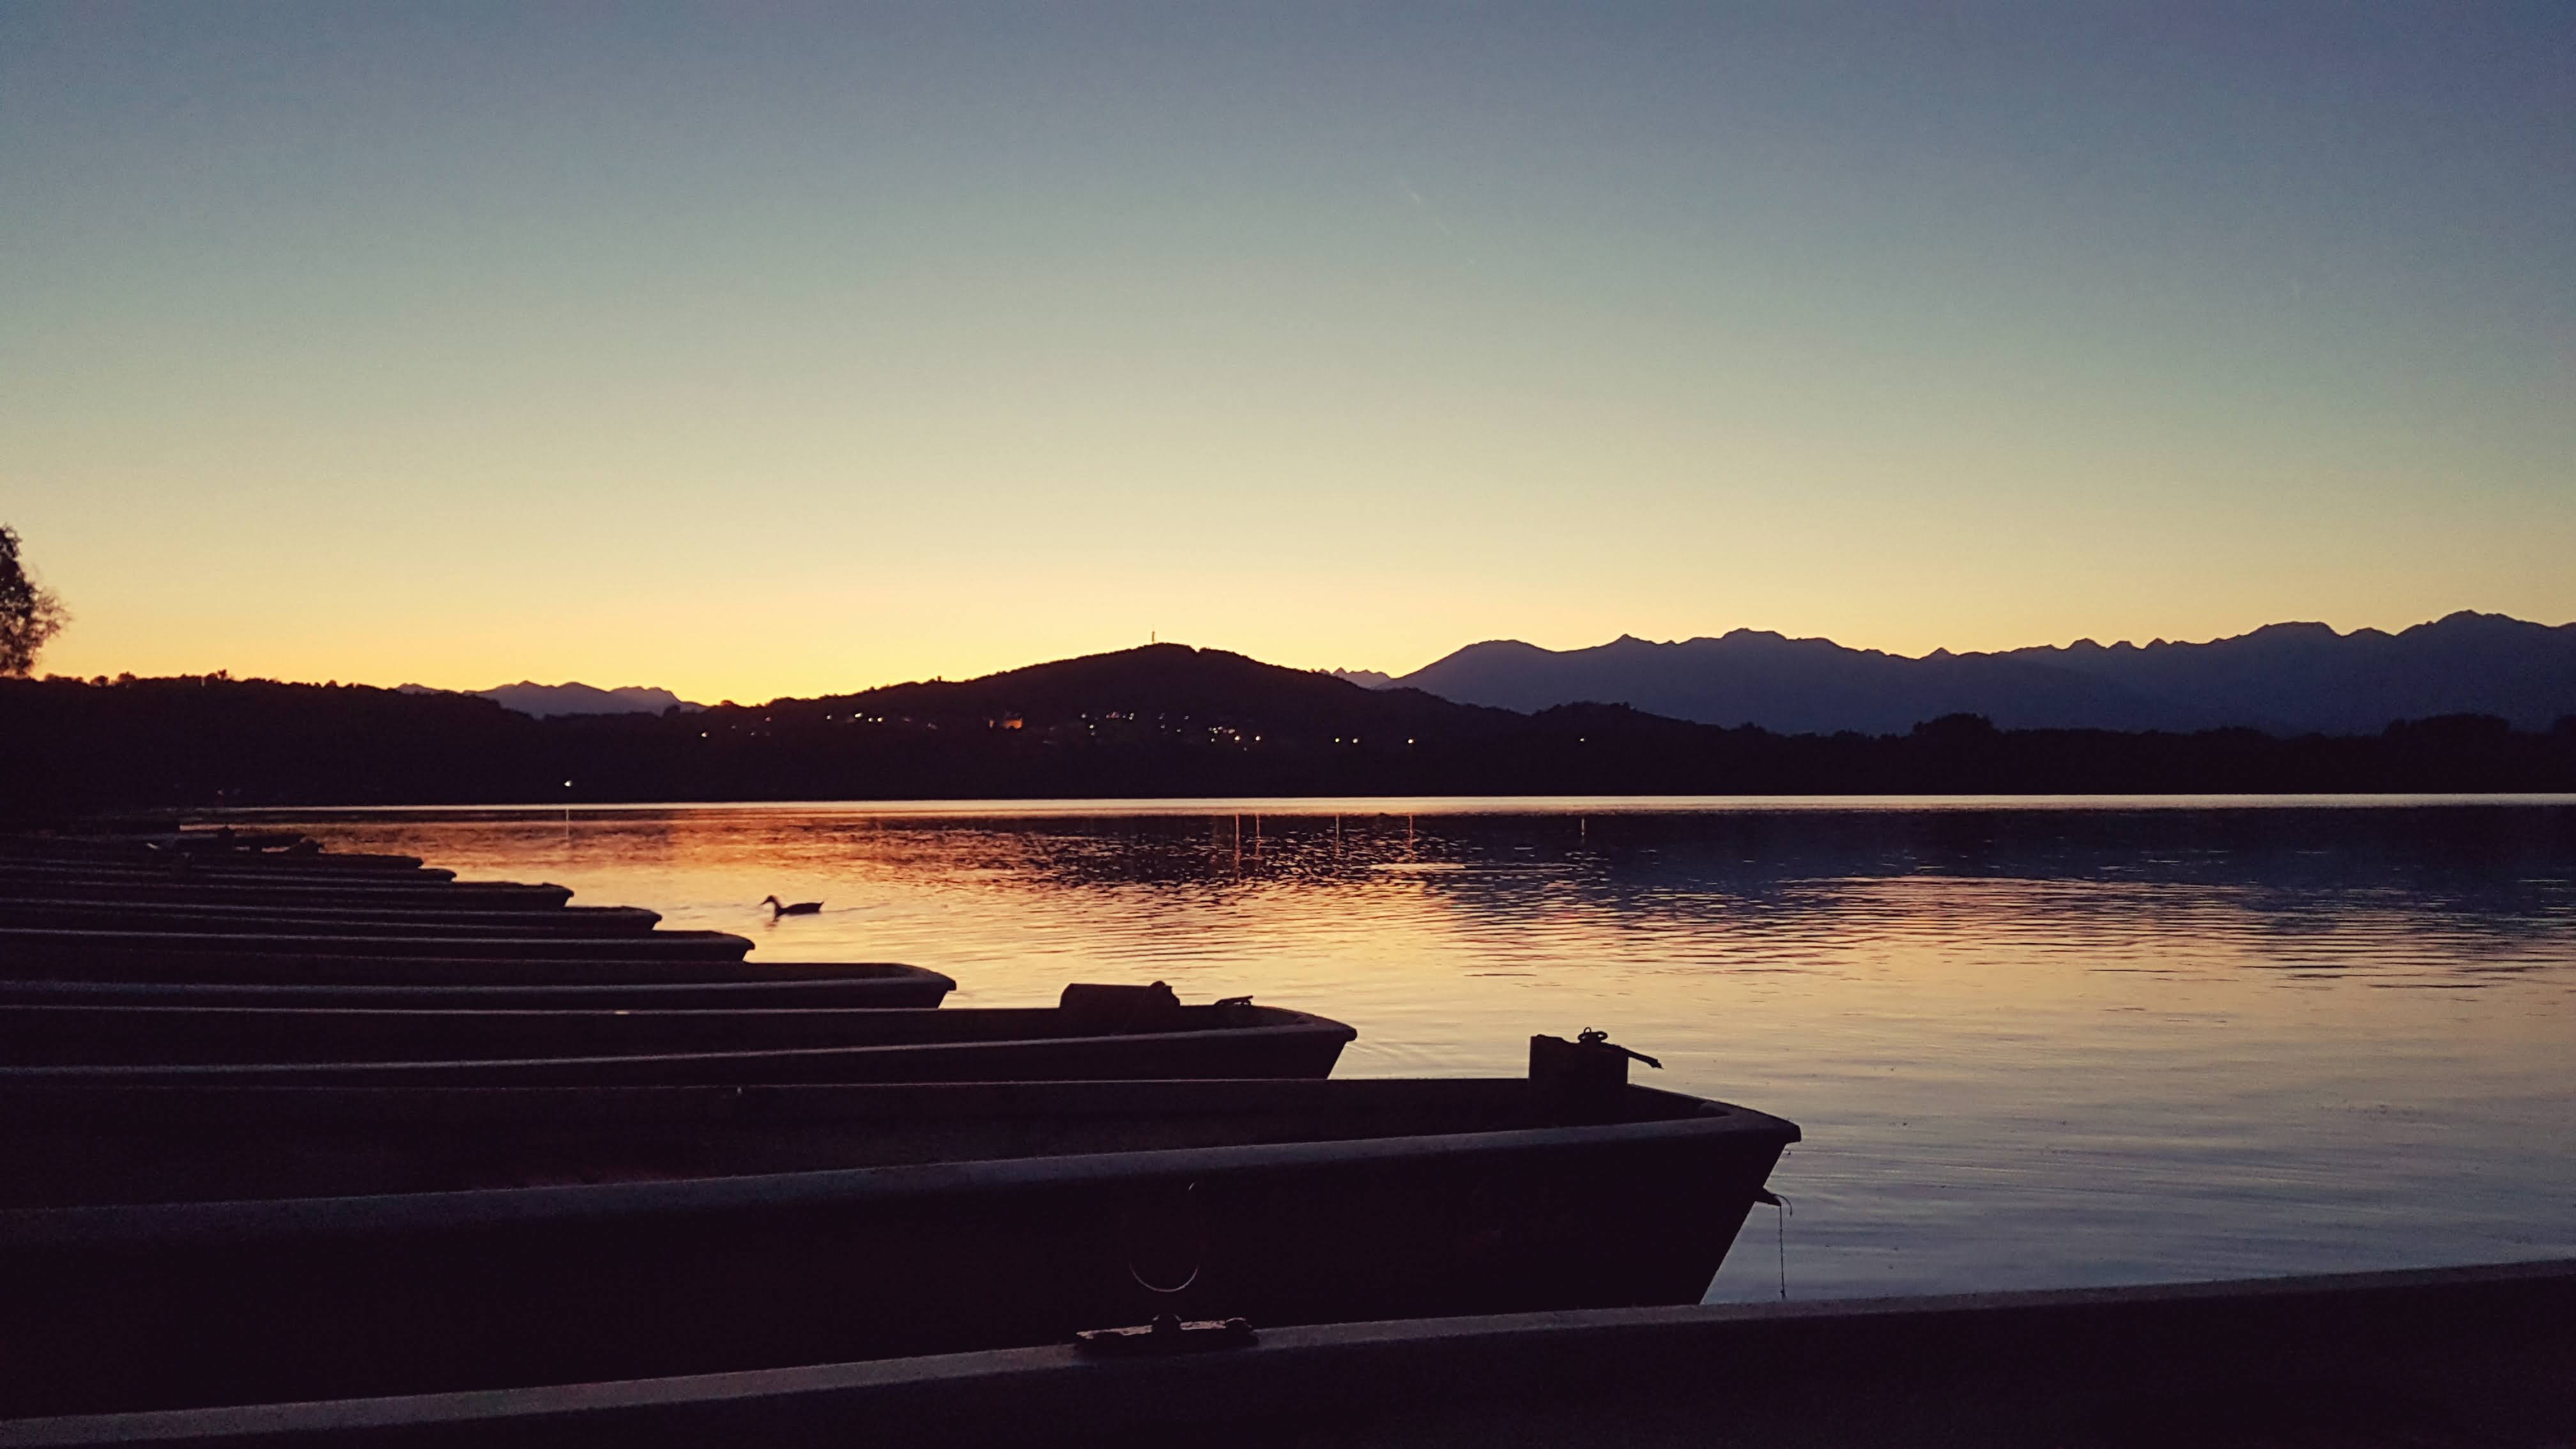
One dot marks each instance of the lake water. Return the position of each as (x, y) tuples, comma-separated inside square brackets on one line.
[(2032, 1043)]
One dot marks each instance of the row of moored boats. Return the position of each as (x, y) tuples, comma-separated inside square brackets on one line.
[(293, 1126)]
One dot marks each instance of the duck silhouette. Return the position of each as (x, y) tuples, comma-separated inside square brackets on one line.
[(779, 908)]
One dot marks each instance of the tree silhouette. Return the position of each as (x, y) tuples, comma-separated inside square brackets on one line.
[(28, 615)]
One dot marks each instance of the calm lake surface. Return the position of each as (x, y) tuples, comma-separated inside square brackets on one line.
[(2031, 1043)]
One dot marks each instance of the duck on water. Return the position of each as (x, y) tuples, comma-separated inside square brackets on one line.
[(778, 908)]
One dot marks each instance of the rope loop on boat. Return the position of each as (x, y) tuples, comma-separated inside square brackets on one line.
[(1198, 1260), (1151, 1286)]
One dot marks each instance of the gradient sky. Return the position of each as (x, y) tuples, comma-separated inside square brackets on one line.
[(763, 350)]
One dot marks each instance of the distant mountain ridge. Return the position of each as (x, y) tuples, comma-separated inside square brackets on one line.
[(1162, 721), (548, 700), (2282, 679)]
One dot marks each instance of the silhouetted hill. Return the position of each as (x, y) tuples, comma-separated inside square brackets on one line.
[(1172, 685), (2283, 679)]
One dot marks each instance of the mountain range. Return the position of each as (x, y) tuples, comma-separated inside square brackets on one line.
[(545, 701), (2284, 679)]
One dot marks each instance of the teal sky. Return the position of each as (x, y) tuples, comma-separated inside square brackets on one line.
[(764, 350)]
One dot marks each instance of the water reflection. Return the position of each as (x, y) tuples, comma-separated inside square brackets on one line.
[(2030, 1046)]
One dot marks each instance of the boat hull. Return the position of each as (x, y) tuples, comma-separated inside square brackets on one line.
[(216, 1046), (54, 853), (1294, 1205), (876, 987), (317, 919), (2455, 1356), (163, 889), (294, 964), (76, 950)]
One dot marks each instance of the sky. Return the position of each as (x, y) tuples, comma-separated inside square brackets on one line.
[(763, 350)]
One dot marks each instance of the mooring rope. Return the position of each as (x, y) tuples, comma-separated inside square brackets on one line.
[(1780, 1217)]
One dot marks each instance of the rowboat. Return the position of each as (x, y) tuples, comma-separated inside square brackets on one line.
[(277, 1244), (2430, 1357), (356, 1047), (470, 896), (334, 871), (59, 947), (194, 850), (308, 963), (310, 918), (874, 985), (216, 872)]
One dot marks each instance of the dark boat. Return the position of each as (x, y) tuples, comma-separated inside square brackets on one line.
[(208, 847), (2443, 1358), (225, 918), (206, 850), (307, 918), (875, 986), (467, 896), (294, 1046), (22, 946), (196, 872), (300, 963), (146, 840), (197, 1248)]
